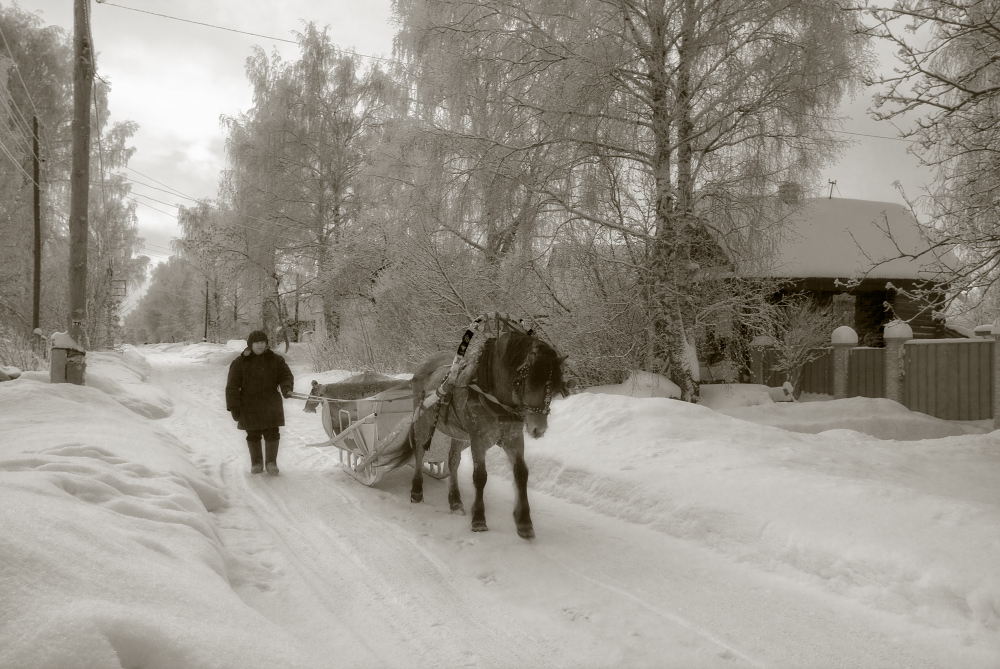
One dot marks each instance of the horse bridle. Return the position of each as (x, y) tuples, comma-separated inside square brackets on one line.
[(522, 376)]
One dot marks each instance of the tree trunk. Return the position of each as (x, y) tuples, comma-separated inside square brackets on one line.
[(668, 260)]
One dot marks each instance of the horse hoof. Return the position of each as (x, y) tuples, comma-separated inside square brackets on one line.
[(416, 498), (526, 532), (458, 508), (479, 527)]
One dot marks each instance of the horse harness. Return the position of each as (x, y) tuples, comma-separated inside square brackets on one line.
[(464, 370)]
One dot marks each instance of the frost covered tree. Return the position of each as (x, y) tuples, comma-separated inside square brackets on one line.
[(295, 164), (36, 80), (948, 82), (659, 124)]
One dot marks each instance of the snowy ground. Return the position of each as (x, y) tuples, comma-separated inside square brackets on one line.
[(823, 534)]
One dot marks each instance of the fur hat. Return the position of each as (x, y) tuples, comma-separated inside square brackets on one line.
[(256, 335)]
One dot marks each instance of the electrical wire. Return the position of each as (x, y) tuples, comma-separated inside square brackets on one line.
[(861, 134), (207, 25), (26, 92), (217, 208), (234, 30), (165, 213), (163, 190), (131, 169), (17, 164)]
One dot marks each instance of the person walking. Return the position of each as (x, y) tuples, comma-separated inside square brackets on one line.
[(256, 377)]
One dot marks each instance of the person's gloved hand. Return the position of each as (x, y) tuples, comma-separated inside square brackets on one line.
[(286, 392), (236, 414)]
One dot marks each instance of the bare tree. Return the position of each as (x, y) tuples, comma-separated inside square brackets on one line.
[(948, 74), (801, 334)]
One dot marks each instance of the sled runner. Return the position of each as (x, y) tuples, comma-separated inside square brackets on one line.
[(368, 434)]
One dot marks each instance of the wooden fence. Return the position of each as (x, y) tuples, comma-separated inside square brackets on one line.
[(817, 375), (950, 379), (865, 372)]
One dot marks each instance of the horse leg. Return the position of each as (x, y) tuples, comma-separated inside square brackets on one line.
[(522, 512), (454, 460), (417, 487), (479, 480)]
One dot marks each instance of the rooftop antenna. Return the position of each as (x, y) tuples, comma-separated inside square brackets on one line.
[(832, 184)]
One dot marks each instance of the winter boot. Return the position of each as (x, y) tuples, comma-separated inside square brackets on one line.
[(271, 455), (256, 457)]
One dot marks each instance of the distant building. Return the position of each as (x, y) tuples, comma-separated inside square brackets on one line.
[(868, 260)]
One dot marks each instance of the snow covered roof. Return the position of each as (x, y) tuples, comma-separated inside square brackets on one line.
[(843, 238)]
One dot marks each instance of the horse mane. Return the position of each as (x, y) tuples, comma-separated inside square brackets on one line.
[(546, 369)]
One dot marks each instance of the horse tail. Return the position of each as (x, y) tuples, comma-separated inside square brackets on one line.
[(402, 453)]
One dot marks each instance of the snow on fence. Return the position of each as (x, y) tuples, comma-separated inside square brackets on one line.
[(953, 379)]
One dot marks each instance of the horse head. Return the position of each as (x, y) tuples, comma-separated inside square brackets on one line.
[(536, 378)]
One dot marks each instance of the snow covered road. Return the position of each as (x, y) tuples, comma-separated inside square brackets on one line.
[(361, 577)]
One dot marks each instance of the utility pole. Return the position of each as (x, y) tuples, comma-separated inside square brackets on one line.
[(206, 311), (36, 299), (83, 84)]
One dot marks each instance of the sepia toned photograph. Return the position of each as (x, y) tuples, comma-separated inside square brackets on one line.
[(500, 334)]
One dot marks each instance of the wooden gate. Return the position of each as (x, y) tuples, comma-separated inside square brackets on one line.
[(951, 379), (866, 372), (817, 375)]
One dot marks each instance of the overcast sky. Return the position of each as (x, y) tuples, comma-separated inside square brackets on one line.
[(175, 79)]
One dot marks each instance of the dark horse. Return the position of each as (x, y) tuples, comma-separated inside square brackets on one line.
[(516, 379)]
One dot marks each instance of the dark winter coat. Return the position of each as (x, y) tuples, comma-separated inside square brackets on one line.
[(253, 386)]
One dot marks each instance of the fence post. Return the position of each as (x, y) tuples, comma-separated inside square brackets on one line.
[(896, 334), (844, 339)]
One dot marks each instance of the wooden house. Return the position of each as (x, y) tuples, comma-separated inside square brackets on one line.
[(868, 260)]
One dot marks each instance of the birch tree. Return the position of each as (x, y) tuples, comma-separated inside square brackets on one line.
[(694, 105), (296, 158)]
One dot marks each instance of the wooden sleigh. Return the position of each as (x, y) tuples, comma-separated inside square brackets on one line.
[(370, 435)]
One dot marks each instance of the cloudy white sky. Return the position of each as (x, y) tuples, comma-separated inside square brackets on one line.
[(176, 78)]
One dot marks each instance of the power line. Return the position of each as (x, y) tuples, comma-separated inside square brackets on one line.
[(207, 25), (17, 68), (233, 30), (165, 213), (167, 204), (16, 164), (162, 190), (861, 134), (215, 207), (132, 169), (159, 249)]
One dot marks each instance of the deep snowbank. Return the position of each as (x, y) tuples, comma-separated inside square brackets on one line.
[(108, 555), (908, 527), (124, 378)]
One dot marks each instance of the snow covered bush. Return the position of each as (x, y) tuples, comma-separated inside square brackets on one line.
[(16, 351)]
